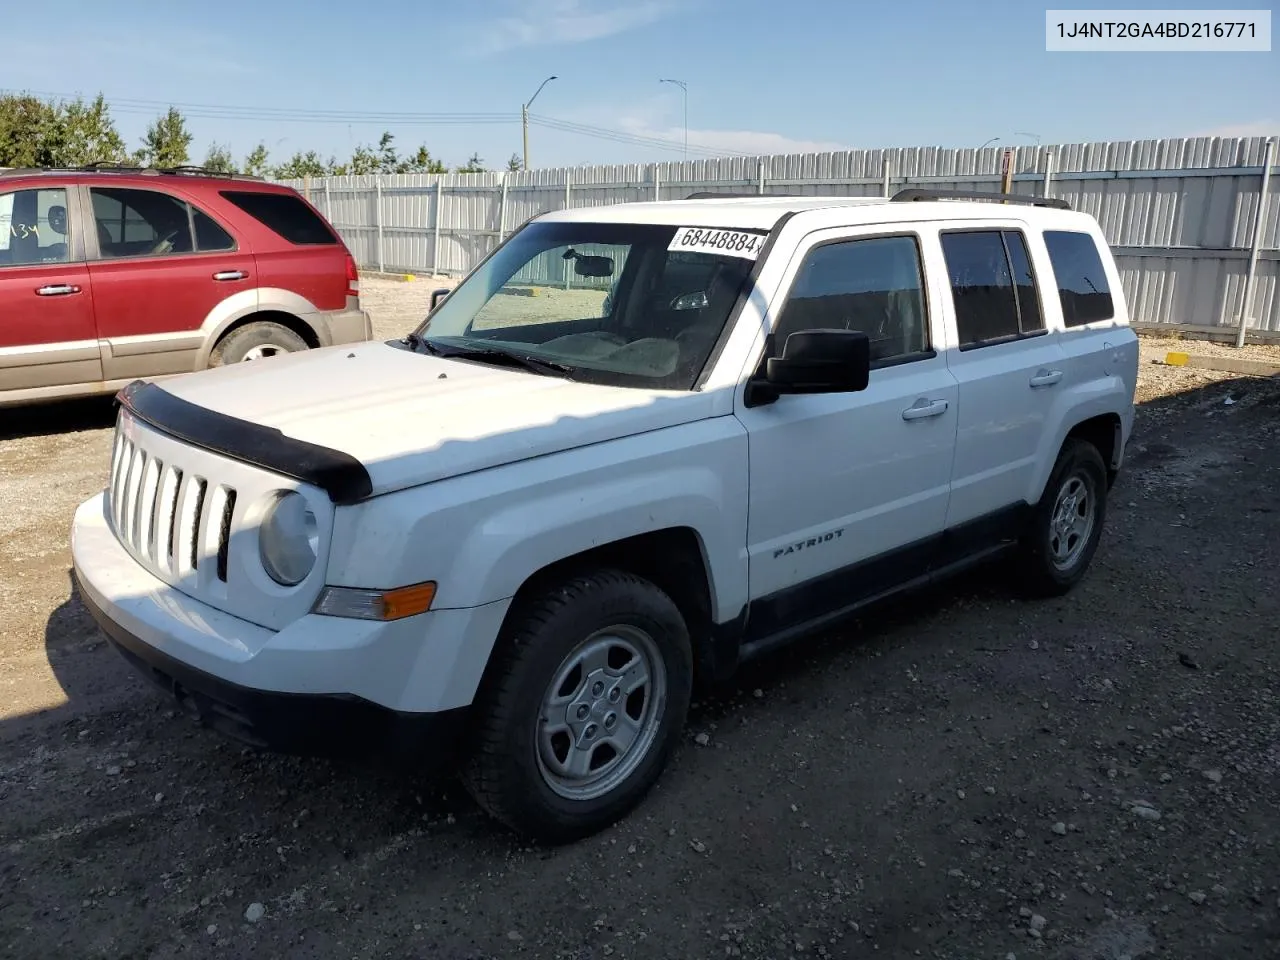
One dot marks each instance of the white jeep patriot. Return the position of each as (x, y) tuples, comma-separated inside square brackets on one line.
[(638, 445)]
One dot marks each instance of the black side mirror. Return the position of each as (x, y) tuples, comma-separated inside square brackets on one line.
[(437, 296), (815, 361)]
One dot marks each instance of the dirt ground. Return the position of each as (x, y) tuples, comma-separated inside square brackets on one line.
[(960, 776)]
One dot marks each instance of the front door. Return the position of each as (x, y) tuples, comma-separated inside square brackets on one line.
[(47, 335), (162, 266), (848, 492)]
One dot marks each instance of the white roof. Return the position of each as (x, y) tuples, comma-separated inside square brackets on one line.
[(761, 213)]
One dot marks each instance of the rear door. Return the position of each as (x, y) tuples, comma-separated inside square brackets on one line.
[(161, 267), (1008, 366), (297, 251), (47, 334)]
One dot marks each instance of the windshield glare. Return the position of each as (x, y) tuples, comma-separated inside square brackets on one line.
[(608, 300)]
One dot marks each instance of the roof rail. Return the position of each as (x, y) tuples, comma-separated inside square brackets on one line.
[(111, 166), (712, 195), (914, 193)]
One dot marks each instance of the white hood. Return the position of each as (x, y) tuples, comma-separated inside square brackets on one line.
[(411, 418)]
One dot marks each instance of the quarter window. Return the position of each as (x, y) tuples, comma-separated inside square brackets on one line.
[(33, 227), (1082, 282), (992, 285), (872, 285)]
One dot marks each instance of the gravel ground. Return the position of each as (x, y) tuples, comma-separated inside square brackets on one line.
[(961, 776)]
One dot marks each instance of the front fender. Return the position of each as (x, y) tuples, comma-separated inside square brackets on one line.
[(481, 536)]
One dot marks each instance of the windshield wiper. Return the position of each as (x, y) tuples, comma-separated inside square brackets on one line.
[(416, 342), (523, 361)]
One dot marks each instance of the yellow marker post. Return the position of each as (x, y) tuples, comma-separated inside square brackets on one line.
[(1177, 359)]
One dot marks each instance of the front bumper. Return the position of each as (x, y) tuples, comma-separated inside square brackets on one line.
[(331, 725), (323, 685)]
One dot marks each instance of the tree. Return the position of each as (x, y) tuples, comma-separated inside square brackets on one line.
[(515, 164), (473, 165), (89, 135), (166, 142), (219, 160), (302, 165), (421, 162), (31, 132), (255, 164)]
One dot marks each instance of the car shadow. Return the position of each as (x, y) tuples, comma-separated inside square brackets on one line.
[(55, 417)]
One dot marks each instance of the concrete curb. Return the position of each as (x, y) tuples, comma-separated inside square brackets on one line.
[(1252, 368)]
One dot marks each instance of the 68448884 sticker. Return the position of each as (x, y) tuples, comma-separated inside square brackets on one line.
[(728, 243)]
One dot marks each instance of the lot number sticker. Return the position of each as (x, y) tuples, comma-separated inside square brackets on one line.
[(728, 243)]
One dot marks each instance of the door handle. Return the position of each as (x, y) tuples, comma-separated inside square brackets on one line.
[(57, 290), (1046, 378), (925, 408), (230, 275)]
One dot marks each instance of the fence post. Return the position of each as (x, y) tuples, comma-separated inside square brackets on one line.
[(1048, 172), (328, 201), (435, 228), (886, 176), (760, 171), (568, 188), (657, 183), (502, 211), (1259, 221), (377, 182)]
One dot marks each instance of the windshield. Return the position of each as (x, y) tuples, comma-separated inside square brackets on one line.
[(621, 304)]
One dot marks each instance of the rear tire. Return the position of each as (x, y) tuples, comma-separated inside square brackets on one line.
[(1066, 524), (581, 707), (255, 341)]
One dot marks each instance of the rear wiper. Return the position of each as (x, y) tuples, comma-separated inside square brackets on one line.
[(523, 361)]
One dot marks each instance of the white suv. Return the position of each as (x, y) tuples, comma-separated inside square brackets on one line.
[(638, 445)]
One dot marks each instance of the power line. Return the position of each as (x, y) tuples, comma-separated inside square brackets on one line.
[(206, 111)]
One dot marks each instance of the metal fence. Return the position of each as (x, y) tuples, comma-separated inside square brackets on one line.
[(1183, 216)]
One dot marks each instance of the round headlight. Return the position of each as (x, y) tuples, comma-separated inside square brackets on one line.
[(289, 539)]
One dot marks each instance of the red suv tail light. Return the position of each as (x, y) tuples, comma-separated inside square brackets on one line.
[(353, 277)]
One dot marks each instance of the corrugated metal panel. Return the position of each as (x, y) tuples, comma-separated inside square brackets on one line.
[(1192, 202)]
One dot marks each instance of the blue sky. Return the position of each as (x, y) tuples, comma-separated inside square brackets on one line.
[(763, 76)]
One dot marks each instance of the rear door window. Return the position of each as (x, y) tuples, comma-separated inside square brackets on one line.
[(285, 214), (33, 227), (992, 285)]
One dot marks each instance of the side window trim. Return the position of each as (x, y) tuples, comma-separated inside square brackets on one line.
[(771, 345), (1001, 229)]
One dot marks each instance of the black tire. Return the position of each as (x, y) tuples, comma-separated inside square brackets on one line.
[(261, 336), (1039, 571), (504, 770)]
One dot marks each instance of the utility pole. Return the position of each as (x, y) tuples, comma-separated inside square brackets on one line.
[(684, 87), (524, 118)]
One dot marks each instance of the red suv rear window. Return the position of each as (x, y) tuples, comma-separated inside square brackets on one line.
[(285, 214)]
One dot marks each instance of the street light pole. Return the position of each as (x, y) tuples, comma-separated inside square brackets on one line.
[(684, 87), (992, 140), (524, 117)]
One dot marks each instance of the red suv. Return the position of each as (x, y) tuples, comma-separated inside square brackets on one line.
[(110, 274)]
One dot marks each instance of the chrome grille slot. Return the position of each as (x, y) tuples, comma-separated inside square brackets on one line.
[(172, 525), (197, 515), (224, 532), (131, 496)]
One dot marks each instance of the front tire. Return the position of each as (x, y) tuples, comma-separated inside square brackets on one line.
[(1066, 524), (582, 706)]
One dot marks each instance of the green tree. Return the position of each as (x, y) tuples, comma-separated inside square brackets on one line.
[(421, 161), (473, 165), (302, 165), (219, 159), (31, 132), (515, 164), (255, 164), (89, 135), (167, 141)]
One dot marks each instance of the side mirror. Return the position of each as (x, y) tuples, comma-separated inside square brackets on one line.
[(437, 296), (815, 361)]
